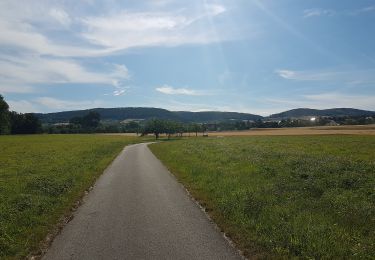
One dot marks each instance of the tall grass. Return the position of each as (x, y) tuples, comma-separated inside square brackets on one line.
[(41, 176), (306, 196)]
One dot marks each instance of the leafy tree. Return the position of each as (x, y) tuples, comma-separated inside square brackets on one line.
[(76, 120), (172, 127), (88, 122), (132, 127), (196, 128), (92, 119), (24, 123), (155, 126), (4, 117), (180, 129)]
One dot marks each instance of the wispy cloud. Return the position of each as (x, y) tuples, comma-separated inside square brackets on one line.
[(165, 89), (315, 12), (55, 104), (13, 87), (50, 104), (318, 12), (23, 106), (18, 73), (355, 77), (61, 16), (32, 51), (364, 10), (307, 75), (124, 29)]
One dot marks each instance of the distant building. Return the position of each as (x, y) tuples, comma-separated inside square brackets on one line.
[(62, 124), (126, 121), (332, 123)]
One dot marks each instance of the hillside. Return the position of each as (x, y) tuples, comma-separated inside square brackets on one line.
[(119, 114), (147, 113), (337, 112)]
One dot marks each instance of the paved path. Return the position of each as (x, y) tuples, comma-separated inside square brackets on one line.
[(137, 210)]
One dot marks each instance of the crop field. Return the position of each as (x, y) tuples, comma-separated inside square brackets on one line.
[(41, 177), (317, 130), (283, 196)]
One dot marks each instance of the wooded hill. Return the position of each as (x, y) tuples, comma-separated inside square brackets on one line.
[(333, 112), (120, 114)]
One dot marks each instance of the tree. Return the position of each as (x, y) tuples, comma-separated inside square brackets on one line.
[(89, 121), (92, 119), (76, 120), (155, 126), (196, 128), (180, 129), (24, 123), (132, 127), (4, 117)]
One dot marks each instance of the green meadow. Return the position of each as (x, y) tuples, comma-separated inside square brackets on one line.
[(295, 196), (41, 177)]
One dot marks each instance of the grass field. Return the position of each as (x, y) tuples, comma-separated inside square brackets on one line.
[(41, 177), (284, 196)]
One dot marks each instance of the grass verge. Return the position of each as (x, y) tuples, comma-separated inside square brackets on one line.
[(41, 176), (296, 196)]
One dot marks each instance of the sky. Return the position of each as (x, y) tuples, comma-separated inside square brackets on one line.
[(255, 56)]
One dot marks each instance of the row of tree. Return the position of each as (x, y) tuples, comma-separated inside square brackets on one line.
[(169, 128), (16, 123)]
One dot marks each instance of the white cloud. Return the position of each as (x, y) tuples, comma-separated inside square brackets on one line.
[(49, 104), (120, 71), (22, 106), (315, 12), (318, 12), (119, 92), (25, 25), (54, 104), (33, 69), (61, 16), (31, 32), (11, 87), (125, 29), (177, 91), (308, 75), (364, 10), (355, 77), (25, 38)]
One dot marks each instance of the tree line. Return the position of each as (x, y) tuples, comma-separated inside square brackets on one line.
[(91, 123), (17, 123)]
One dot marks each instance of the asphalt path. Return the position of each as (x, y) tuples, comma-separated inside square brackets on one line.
[(137, 210)]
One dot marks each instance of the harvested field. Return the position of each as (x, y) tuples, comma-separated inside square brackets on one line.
[(319, 130)]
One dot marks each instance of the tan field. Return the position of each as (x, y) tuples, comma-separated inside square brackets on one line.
[(318, 130)]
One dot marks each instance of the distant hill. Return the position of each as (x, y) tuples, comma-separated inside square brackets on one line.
[(147, 113), (301, 112), (124, 113)]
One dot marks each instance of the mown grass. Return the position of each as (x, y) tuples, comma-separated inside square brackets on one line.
[(296, 196), (41, 177)]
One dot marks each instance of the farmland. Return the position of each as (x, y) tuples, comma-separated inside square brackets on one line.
[(316, 130), (41, 177), (283, 196)]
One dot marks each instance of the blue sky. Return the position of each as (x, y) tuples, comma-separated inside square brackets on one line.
[(256, 56)]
